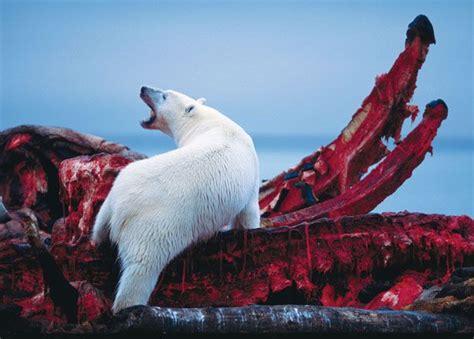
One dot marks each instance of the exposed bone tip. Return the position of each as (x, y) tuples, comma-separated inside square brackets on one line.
[(437, 108), (435, 103), (422, 27)]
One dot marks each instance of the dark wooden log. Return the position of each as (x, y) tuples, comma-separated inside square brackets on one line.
[(457, 296), (282, 319)]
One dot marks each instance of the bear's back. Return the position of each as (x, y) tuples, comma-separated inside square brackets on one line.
[(205, 183)]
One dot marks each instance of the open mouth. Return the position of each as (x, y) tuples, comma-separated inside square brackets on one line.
[(147, 99)]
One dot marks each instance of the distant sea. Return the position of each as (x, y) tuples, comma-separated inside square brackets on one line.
[(442, 183)]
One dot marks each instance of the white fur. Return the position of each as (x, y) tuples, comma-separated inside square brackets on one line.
[(159, 206)]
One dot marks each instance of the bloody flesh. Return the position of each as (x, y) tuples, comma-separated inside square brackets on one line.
[(334, 169), (320, 246)]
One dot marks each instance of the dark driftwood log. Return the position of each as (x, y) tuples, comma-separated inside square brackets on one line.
[(457, 296), (283, 319)]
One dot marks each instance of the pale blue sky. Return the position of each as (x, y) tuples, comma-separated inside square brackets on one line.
[(286, 67), (298, 69)]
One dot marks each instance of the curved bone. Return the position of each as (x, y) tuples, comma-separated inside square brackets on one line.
[(333, 169), (380, 182)]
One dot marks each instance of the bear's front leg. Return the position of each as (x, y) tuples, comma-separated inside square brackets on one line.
[(249, 217)]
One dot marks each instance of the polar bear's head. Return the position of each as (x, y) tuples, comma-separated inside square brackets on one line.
[(167, 108)]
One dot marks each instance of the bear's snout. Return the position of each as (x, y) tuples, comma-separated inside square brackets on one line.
[(150, 91), (144, 90), (151, 96)]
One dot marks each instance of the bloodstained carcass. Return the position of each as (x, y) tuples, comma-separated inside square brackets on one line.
[(318, 245)]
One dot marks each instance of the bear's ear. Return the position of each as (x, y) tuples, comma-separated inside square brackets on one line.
[(202, 101)]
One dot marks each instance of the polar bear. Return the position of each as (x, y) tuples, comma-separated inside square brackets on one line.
[(159, 206)]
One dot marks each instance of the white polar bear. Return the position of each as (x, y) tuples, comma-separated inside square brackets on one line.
[(159, 206)]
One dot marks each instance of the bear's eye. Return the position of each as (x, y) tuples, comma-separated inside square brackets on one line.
[(189, 108), (164, 96)]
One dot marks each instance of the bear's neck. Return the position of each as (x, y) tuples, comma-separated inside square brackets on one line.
[(188, 132)]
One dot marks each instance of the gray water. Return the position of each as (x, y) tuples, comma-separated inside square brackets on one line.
[(443, 183)]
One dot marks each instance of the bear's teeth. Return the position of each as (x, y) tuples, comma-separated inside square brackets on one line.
[(150, 120)]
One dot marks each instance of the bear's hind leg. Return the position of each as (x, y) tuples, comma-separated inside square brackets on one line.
[(145, 248), (101, 228), (136, 285)]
